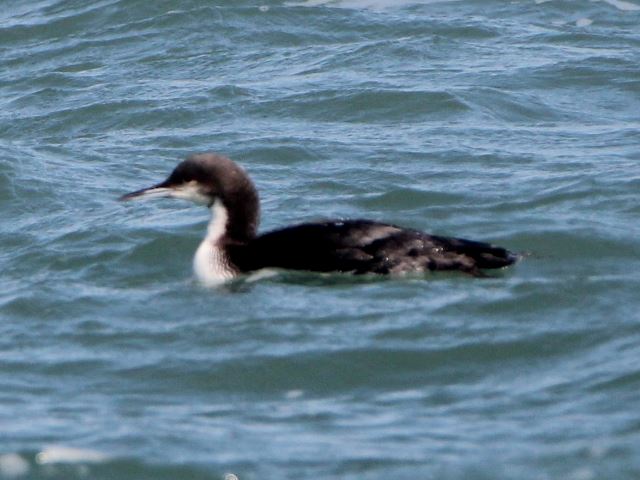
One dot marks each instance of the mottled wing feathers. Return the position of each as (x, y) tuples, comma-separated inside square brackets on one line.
[(362, 246), (483, 254)]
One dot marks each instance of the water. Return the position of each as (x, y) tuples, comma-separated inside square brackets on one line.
[(511, 122)]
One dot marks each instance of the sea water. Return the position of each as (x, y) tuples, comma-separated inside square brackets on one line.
[(516, 123)]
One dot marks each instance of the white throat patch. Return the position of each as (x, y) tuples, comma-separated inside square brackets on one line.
[(218, 223), (209, 263), (190, 191)]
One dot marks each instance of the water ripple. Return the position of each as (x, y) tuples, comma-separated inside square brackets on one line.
[(511, 122)]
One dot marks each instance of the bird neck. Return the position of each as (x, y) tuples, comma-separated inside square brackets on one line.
[(233, 222), (218, 225)]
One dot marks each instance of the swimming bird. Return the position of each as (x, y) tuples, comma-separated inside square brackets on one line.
[(233, 247)]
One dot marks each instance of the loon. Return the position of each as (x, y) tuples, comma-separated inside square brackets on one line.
[(232, 246)]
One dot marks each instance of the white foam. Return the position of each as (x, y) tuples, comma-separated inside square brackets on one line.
[(622, 5), (583, 22), (61, 454), (262, 274), (13, 465), (293, 394)]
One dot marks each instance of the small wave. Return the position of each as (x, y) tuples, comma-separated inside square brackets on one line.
[(365, 4), (62, 454), (16, 465), (622, 5), (73, 463), (368, 105)]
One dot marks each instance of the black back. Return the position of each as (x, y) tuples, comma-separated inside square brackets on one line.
[(363, 246)]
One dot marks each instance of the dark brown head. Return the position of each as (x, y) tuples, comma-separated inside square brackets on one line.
[(204, 178)]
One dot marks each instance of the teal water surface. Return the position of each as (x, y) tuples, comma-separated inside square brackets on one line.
[(511, 122)]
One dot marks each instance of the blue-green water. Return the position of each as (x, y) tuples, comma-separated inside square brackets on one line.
[(511, 122)]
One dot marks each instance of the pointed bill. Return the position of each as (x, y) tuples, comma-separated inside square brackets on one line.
[(157, 191), (186, 191)]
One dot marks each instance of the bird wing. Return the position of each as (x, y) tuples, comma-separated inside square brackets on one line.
[(363, 246)]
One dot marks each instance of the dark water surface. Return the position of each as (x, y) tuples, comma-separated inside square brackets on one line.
[(511, 122)]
